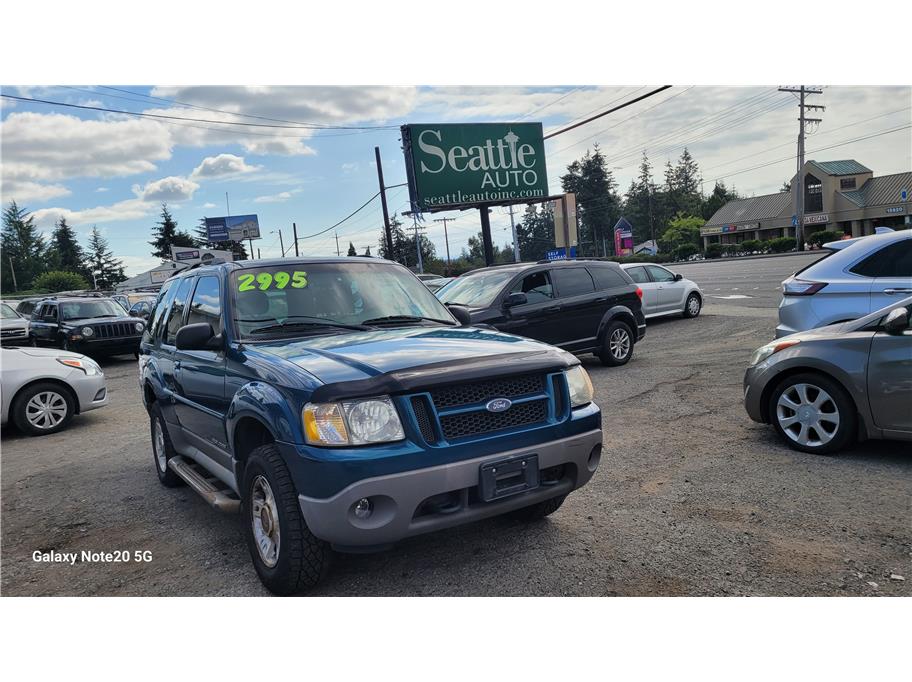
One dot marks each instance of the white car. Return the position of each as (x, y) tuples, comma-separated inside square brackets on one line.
[(664, 292), (42, 388), (14, 328)]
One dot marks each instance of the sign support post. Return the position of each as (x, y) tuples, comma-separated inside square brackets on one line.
[(386, 218), (483, 211)]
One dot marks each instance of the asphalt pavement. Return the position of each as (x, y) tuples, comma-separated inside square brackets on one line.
[(691, 498)]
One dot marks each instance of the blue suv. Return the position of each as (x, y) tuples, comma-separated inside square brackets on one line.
[(338, 405)]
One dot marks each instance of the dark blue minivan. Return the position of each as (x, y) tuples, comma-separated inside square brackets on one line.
[(338, 405)]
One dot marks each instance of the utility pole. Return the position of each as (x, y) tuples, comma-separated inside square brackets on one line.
[(515, 241), (652, 227), (338, 253), (281, 243), (446, 238), (484, 212), (802, 92), (418, 243), (294, 227), (386, 218), (13, 273)]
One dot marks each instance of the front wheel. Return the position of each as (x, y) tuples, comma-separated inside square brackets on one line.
[(162, 448), (287, 557), (43, 408), (618, 345), (693, 306), (812, 413)]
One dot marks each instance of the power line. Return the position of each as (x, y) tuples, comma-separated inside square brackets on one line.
[(550, 104), (606, 112), (195, 120)]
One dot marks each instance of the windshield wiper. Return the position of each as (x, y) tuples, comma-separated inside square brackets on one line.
[(406, 318), (279, 326)]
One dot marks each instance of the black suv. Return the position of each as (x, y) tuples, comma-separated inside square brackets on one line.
[(84, 324), (583, 306)]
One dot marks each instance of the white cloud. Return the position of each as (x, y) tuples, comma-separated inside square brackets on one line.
[(222, 165), (102, 189), (349, 167), (208, 204), (276, 198), (173, 188), (129, 209), (26, 190), (134, 265)]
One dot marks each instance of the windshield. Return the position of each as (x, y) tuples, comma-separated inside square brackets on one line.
[(476, 290), (311, 297), (7, 313), (78, 310)]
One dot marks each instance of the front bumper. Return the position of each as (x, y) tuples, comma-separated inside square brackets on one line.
[(756, 379), (399, 499), (105, 346), (15, 338), (91, 391)]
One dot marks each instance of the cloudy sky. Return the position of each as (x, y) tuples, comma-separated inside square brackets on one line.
[(114, 170)]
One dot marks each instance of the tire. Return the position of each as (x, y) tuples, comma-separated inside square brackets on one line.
[(617, 347), (64, 343), (162, 448), (294, 560), (813, 395), (33, 342), (693, 305), (43, 403), (538, 511)]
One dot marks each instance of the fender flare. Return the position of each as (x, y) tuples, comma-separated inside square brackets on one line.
[(269, 406), (621, 312)]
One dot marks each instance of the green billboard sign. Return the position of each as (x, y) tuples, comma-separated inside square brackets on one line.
[(453, 165)]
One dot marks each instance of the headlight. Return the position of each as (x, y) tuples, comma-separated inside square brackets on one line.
[(87, 331), (580, 386), (139, 326), (356, 422), (764, 352), (85, 364)]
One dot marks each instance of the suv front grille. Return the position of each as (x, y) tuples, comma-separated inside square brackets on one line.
[(468, 394), (114, 330), (481, 421)]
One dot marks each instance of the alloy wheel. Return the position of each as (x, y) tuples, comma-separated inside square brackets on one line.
[(158, 445), (265, 520), (619, 344), (807, 414)]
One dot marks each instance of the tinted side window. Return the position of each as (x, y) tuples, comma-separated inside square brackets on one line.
[(894, 260), (206, 305), (158, 310), (660, 274), (607, 277), (50, 312), (537, 287), (177, 311), (638, 274), (573, 281)]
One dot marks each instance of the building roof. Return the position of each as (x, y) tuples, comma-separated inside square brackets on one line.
[(754, 209), (844, 167), (880, 190)]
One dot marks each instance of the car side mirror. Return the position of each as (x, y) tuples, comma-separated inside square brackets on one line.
[(133, 313), (678, 277), (897, 321), (461, 313), (516, 298), (196, 337)]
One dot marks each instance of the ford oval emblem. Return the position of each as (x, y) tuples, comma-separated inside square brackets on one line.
[(498, 405)]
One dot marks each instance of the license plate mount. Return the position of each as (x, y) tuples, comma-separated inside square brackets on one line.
[(509, 476)]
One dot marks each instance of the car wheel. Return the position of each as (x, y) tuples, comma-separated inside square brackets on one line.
[(287, 557), (162, 448), (539, 510), (33, 342), (43, 408), (618, 344), (812, 413), (64, 344), (693, 306)]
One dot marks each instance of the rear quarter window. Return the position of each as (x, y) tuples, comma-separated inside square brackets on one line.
[(607, 277), (893, 260), (572, 281)]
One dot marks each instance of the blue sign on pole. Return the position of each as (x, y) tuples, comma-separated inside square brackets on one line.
[(217, 229), (794, 221), (561, 253), (904, 195)]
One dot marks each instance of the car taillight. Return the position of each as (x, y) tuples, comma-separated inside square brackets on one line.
[(639, 293), (801, 287)]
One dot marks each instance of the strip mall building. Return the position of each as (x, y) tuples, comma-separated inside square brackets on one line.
[(842, 196)]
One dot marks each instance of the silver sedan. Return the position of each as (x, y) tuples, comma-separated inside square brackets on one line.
[(825, 387), (42, 388), (664, 292)]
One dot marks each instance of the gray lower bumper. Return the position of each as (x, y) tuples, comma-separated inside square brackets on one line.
[(397, 497)]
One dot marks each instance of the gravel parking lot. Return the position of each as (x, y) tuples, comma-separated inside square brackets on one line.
[(692, 498)]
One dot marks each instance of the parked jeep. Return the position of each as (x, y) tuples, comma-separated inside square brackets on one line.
[(91, 325), (338, 405)]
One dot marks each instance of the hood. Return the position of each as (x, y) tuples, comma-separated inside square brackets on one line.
[(85, 322), (359, 356), (13, 323), (46, 352)]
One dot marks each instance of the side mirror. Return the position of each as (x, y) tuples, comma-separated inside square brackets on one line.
[(132, 313), (461, 313), (514, 299), (678, 277), (897, 321), (196, 337)]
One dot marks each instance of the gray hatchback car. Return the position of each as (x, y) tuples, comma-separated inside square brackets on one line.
[(823, 388)]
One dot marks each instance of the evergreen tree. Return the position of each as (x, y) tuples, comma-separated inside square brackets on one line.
[(597, 201), (108, 270), (682, 185), (351, 250), (237, 249), (720, 196), (535, 232), (640, 205), (167, 235), (367, 252), (400, 252), (65, 253), (23, 249)]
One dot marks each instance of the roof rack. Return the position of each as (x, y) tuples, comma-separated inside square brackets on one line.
[(579, 258), (75, 294), (214, 261)]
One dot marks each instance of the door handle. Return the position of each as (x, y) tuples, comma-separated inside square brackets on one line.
[(601, 299), (553, 309), (897, 291)]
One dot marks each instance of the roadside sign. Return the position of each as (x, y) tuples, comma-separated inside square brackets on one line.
[(623, 237), (561, 253), (189, 256), (794, 220), (233, 228), (459, 165), (561, 233), (904, 195)]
